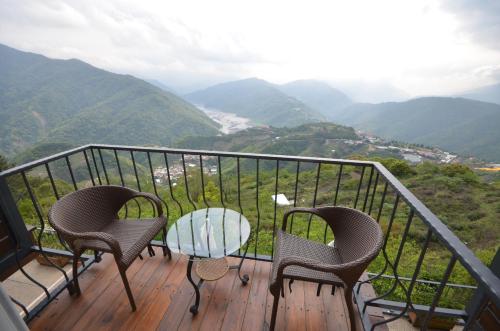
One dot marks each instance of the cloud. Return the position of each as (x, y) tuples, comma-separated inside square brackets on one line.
[(479, 19)]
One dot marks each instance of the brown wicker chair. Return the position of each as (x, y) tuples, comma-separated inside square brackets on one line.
[(88, 219), (358, 240)]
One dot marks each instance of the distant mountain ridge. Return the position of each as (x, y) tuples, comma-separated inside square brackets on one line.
[(490, 93), (318, 95), (257, 100), (46, 100), (464, 126)]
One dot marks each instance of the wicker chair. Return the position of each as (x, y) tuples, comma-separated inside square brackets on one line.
[(358, 240), (88, 219)]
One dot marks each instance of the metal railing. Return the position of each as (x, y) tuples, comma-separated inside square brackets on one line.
[(186, 180)]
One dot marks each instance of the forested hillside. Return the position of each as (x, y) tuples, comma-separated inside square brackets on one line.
[(463, 126), (47, 100)]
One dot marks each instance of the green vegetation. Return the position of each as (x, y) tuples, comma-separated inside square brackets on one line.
[(463, 126), (257, 100), (52, 101)]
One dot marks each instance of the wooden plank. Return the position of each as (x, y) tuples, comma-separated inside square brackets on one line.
[(280, 316), (116, 290), (181, 300), (59, 315), (144, 282), (235, 313), (335, 313), (295, 314), (256, 307), (193, 322), (315, 309), (154, 310), (220, 301)]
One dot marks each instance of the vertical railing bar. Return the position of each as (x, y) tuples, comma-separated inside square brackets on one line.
[(220, 181), (314, 199), (42, 225), (412, 283), (135, 171), (121, 177), (20, 305), (71, 173), (186, 182), (95, 166), (154, 184), (170, 184), (295, 191), (52, 183), (439, 291), (275, 205), (203, 183), (359, 186), (54, 189), (382, 201), (21, 268), (239, 184), (257, 205), (373, 194), (88, 167), (368, 188), (338, 184), (103, 166)]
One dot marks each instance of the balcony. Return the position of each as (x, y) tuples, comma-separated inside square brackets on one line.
[(396, 283)]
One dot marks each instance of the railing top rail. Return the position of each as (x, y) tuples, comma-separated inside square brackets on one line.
[(42, 161), (236, 154), (477, 269)]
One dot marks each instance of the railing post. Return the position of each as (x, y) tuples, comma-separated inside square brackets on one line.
[(479, 301), (20, 235)]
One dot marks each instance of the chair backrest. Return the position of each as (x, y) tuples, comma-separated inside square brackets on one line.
[(88, 209), (357, 235)]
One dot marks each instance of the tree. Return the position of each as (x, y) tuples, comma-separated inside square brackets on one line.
[(4, 164)]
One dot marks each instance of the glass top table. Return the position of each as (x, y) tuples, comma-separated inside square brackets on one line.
[(210, 233)]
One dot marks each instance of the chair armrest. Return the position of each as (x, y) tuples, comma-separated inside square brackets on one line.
[(108, 239), (314, 211), (152, 198)]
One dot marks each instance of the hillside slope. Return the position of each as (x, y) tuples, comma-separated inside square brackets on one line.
[(257, 100), (318, 95), (467, 127), (46, 100)]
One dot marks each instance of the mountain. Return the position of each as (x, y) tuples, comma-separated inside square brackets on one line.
[(44, 100), (464, 126), (372, 92), (490, 93), (318, 95), (257, 100)]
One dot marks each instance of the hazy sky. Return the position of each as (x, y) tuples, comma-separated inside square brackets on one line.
[(421, 47)]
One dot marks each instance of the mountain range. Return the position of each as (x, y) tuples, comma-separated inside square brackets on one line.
[(44, 100), (490, 93), (258, 100), (464, 126)]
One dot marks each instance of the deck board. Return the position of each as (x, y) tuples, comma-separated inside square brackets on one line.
[(163, 296)]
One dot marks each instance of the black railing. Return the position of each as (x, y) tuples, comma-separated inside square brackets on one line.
[(186, 180)]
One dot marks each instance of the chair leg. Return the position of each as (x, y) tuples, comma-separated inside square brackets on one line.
[(76, 257), (127, 288), (274, 312), (350, 307)]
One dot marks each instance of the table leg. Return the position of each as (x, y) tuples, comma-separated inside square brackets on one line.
[(244, 279), (194, 308)]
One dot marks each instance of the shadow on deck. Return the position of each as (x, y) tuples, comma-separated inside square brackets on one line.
[(163, 296)]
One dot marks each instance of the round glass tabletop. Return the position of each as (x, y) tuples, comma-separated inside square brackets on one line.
[(210, 232)]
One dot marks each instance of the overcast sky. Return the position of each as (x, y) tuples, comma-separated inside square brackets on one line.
[(420, 47)]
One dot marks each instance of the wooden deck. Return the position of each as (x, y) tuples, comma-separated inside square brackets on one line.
[(163, 297)]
